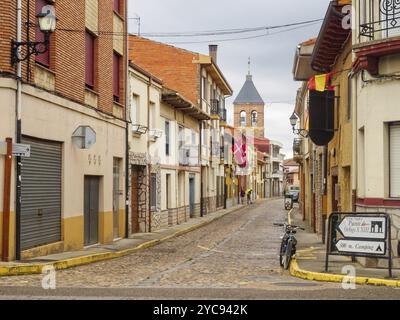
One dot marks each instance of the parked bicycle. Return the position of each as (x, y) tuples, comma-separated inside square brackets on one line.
[(288, 245)]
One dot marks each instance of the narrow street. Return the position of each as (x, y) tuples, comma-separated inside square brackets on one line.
[(232, 258)]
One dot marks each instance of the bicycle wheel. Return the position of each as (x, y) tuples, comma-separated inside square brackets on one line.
[(282, 252), (288, 255)]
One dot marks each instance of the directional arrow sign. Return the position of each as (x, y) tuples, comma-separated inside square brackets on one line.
[(363, 227), (364, 247)]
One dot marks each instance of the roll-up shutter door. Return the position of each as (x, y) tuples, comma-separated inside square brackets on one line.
[(41, 194), (395, 160)]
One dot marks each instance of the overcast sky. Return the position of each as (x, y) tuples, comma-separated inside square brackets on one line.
[(271, 56)]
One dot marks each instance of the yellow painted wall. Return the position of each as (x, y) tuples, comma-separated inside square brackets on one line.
[(73, 231), (341, 145), (106, 231)]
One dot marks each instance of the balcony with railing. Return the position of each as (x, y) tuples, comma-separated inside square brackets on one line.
[(189, 155), (215, 109), (378, 33), (379, 19)]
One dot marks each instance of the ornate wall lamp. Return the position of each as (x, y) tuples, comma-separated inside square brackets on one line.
[(300, 132), (47, 24)]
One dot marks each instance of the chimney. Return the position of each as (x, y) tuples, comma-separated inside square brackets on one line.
[(213, 52)]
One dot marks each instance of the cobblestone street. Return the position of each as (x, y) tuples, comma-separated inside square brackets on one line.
[(235, 257)]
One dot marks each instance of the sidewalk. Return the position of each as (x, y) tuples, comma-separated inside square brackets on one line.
[(105, 252), (310, 261)]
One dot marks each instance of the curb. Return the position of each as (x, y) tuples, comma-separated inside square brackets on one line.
[(20, 270), (295, 271)]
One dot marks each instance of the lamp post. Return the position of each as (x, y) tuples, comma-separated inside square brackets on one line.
[(300, 132), (47, 24)]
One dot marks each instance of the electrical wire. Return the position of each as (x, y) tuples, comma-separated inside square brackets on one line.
[(243, 38), (196, 34), (226, 31)]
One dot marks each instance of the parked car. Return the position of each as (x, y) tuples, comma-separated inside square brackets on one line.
[(294, 191)]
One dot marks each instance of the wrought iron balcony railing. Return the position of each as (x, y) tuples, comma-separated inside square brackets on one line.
[(215, 107), (223, 115), (379, 19)]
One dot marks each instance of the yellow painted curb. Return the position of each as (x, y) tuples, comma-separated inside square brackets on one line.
[(19, 270), (295, 271)]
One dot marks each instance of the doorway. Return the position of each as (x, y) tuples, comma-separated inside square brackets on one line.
[(335, 194), (91, 210), (136, 170), (191, 196), (116, 196)]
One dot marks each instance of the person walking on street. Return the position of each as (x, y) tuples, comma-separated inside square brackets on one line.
[(249, 191), (242, 196)]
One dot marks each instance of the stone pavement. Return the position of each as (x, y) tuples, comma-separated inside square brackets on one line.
[(117, 249), (234, 257), (311, 255)]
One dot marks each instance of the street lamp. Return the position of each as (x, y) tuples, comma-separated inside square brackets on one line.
[(47, 24), (293, 122)]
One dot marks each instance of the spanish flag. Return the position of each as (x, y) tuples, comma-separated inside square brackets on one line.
[(320, 82)]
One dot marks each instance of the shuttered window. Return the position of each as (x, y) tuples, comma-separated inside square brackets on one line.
[(89, 63), (394, 160), (117, 6), (167, 138), (116, 77), (44, 58)]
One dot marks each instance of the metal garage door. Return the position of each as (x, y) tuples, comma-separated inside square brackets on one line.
[(41, 194)]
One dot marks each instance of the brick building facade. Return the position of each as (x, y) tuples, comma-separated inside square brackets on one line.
[(60, 180)]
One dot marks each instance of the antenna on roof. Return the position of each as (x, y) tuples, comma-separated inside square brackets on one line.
[(138, 19), (249, 63)]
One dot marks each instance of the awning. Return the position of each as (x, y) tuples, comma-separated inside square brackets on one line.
[(331, 38), (174, 99)]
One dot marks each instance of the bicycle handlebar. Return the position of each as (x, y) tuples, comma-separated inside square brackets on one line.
[(288, 225)]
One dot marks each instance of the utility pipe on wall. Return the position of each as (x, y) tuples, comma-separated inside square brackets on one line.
[(127, 110), (18, 103)]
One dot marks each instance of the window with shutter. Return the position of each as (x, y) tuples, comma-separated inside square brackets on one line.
[(167, 138), (116, 77), (117, 6), (89, 65), (394, 137), (153, 193), (44, 58)]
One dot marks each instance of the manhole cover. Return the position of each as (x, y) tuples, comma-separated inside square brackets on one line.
[(296, 284)]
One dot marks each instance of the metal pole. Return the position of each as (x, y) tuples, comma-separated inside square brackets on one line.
[(7, 200), (390, 245), (18, 135), (328, 242)]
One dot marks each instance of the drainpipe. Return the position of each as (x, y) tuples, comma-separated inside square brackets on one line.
[(354, 179), (18, 137), (148, 150), (127, 109), (201, 149)]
